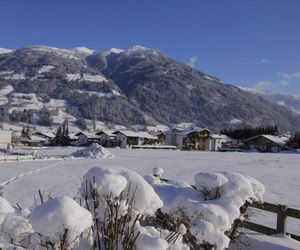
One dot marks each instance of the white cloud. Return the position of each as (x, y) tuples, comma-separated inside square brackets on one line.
[(287, 79), (262, 86), (265, 61), (192, 62)]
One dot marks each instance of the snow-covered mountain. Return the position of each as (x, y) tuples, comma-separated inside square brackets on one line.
[(289, 101), (134, 86)]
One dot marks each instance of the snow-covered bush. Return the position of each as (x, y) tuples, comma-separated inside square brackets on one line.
[(14, 229), (94, 151), (60, 222), (210, 208), (117, 208), (209, 184)]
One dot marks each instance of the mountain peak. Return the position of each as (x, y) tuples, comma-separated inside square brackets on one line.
[(82, 50), (140, 49), (5, 51)]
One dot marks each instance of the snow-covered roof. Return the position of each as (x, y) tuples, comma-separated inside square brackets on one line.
[(87, 134), (141, 134), (186, 131), (127, 133), (280, 140), (47, 134), (220, 136), (146, 135), (38, 138)]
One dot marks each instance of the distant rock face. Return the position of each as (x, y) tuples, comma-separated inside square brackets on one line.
[(137, 86)]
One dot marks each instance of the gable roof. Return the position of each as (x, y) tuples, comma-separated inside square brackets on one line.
[(280, 140), (186, 131), (87, 134), (127, 133), (46, 134), (220, 136)]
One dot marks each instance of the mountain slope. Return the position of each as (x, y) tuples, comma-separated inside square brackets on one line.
[(173, 92), (136, 86), (52, 74)]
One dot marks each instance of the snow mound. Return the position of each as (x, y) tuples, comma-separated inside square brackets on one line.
[(53, 217), (5, 208), (157, 171), (94, 151), (104, 182), (149, 238), (145, 200), (15, 225), (209, 180)]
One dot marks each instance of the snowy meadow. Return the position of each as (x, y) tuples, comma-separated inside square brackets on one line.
[(279, 173)]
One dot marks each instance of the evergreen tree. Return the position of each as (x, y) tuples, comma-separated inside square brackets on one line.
[(62, 135), (294, 141)]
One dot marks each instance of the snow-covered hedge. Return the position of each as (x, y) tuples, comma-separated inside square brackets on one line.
[(118, 207)]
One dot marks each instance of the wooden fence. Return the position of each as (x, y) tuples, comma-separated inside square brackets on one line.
[(282, 211)]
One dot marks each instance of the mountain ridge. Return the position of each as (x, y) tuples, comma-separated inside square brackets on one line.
[(134, 86)]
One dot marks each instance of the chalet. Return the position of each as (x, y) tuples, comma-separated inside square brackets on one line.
[(216, 142), (125, 138), (107, 138), (192, 138), (5, 139), (33, 141), (85, 138), (267, 143), (44, 137)]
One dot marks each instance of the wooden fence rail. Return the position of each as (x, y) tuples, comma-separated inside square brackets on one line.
[(282, 211)]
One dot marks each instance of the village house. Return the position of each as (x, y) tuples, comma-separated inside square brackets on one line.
[(107, 138), (266, 143), (216, 142), (43, 137), (33, 141), (192, 138), (85, 138), (5, 139), (127, 138)]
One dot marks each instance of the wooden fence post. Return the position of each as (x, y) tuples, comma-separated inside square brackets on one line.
[(281, 219)]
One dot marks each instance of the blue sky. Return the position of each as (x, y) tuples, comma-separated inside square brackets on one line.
[(252, 43)]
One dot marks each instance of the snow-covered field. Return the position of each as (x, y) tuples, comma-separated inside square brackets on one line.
[(20, 181)]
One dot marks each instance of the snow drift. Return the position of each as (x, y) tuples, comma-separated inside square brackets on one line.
[(94, 151)]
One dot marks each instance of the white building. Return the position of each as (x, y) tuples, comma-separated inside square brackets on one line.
[(190, 138), (5, 139), (85, 138), (216, 142), (125, 138)]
